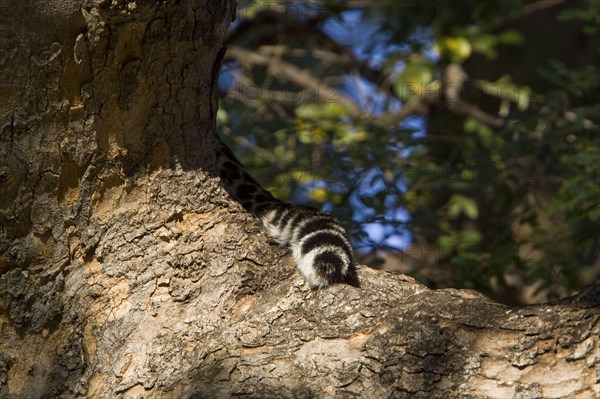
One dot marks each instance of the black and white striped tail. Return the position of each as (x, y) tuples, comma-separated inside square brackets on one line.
[(318, 242)]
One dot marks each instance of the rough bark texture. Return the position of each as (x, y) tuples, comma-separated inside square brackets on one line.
[(127, 272)]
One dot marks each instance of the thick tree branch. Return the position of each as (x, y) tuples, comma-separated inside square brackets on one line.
[(126, 271)]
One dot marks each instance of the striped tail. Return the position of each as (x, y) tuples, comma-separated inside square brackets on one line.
[(319, 244)]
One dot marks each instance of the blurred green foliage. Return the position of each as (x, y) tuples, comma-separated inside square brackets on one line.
[(515, 190)]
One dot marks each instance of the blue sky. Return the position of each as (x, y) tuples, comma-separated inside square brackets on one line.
[(357, 34), (363, 38)]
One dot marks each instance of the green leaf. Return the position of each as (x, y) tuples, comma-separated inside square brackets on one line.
[(574, 13), (510, 36), (456, 48), (460, 204), (485, 44), (413, 80), (222, 117), (471, 237)]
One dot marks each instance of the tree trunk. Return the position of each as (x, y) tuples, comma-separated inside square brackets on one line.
[(127, 272)]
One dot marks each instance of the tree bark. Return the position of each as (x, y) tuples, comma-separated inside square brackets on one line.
[(127, 272)]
